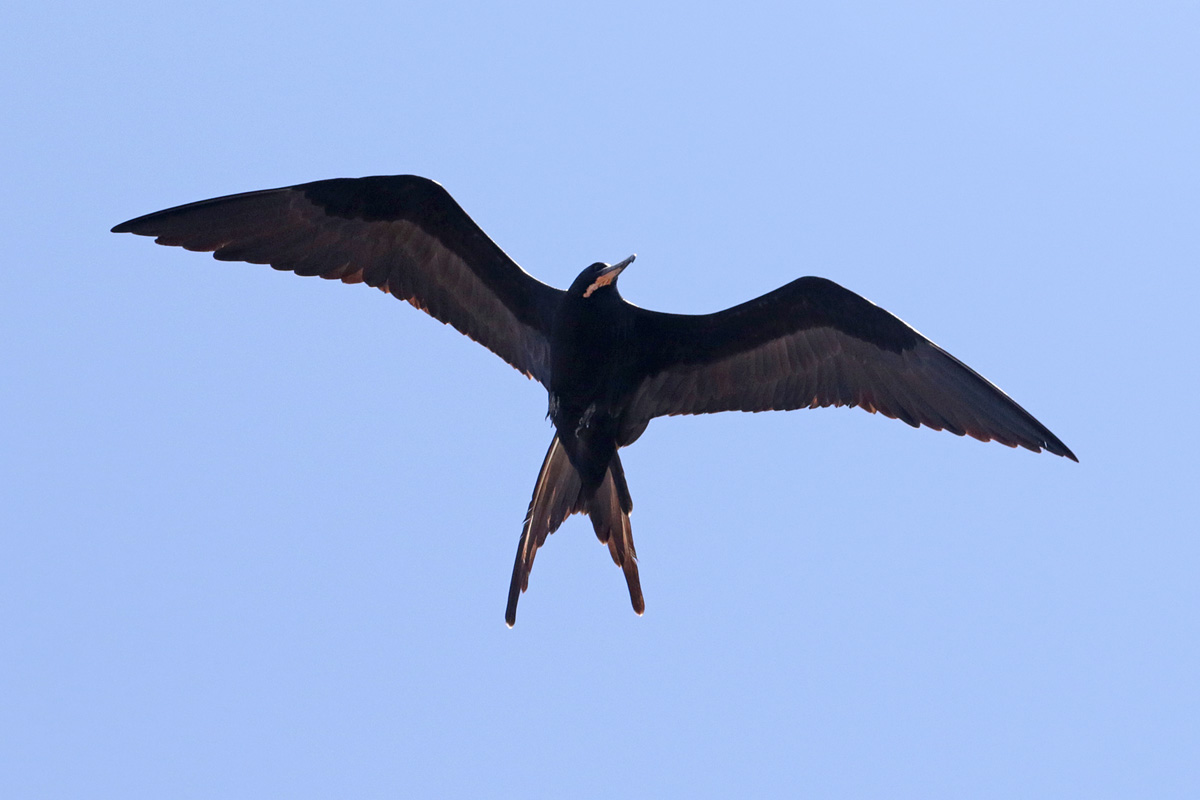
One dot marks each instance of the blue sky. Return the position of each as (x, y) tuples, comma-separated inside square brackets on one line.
[(258, 529)]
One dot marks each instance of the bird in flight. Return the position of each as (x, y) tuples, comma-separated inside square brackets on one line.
[(609, 366)]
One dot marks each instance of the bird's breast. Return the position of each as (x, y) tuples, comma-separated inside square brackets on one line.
[(591, 359)]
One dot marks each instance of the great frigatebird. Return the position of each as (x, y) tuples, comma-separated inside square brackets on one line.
[(609, 366)]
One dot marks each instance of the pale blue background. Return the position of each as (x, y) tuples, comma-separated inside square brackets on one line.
[(257, 530)]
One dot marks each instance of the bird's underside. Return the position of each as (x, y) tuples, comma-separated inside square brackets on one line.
[(808, 344)]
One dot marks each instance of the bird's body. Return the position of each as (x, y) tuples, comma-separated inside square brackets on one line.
[(592, 376), (609, 367)]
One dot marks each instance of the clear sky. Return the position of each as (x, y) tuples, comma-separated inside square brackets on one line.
[(258, 529)]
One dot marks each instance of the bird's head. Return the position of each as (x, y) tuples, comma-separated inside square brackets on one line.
[(599, 277)]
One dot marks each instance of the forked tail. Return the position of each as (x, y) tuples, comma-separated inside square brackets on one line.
[(559, 493)]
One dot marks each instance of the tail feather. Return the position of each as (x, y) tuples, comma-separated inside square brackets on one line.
[(556, 496), (609, 509), (559, 493)]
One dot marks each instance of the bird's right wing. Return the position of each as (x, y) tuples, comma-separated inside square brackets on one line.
[(812, 343), (400, 233)]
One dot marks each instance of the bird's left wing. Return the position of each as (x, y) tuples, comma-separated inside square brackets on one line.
[(812, 343), (400, 233)]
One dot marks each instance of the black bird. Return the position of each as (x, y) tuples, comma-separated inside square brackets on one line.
[(609, 366)]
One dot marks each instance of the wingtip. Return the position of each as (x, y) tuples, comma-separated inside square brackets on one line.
[(1056, 447), (133, 225)]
